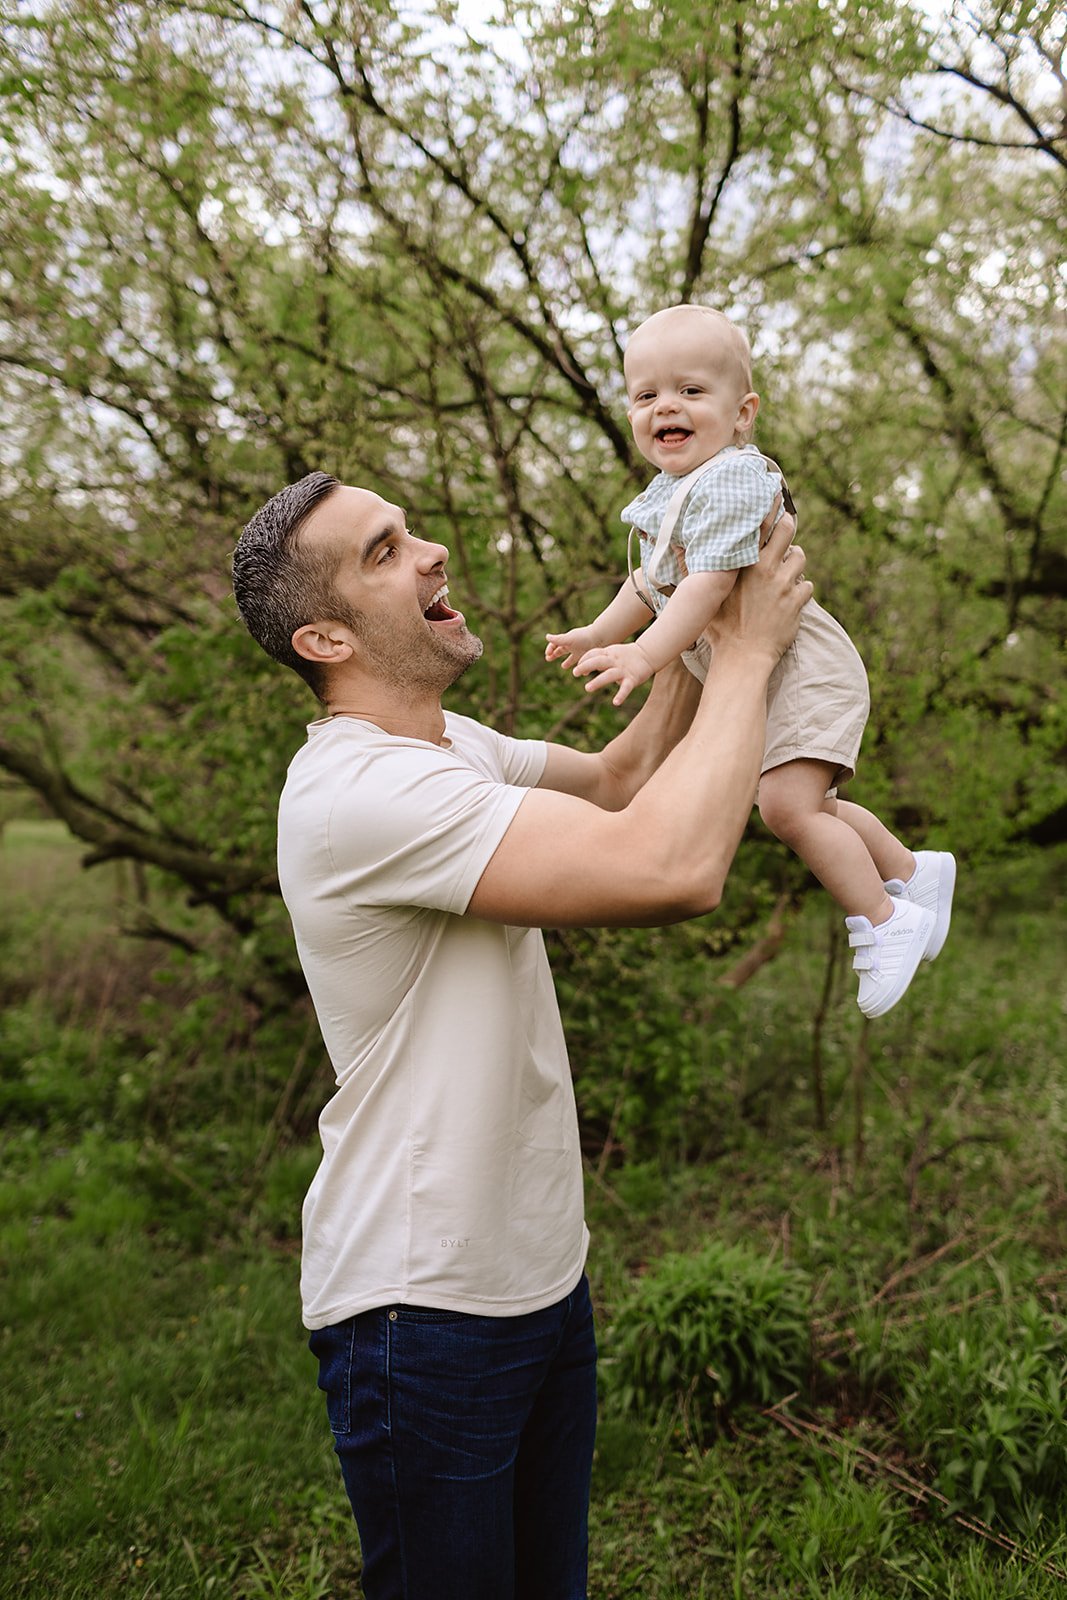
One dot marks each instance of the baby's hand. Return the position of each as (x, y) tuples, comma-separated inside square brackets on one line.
[(573, 645), (624, 664)]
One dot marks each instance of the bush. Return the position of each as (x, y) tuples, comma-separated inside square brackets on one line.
[(61, 1075), (710, 1331), (989, 1407)]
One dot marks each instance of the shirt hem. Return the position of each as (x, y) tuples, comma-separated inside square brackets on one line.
[(470, 1304), (732, 564), (844, 762)]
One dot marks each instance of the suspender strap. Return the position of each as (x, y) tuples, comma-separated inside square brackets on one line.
[(675, 507)]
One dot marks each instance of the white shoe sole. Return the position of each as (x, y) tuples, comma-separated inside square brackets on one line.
[(946, 884)]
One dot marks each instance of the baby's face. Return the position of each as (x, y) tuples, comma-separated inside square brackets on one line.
[(686, 389)]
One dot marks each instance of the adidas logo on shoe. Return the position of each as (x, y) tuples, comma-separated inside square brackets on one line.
[(887, 955)]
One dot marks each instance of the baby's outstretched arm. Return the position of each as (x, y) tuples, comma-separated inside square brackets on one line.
[(626, 613), (684, 618)]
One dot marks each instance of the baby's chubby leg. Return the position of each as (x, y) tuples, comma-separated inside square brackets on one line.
[(890, 937), (893, 859), (793, 804)]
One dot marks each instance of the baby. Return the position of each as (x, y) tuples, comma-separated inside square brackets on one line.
[(692, 410)]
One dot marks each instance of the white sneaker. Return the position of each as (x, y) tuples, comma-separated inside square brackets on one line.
[(887, 956), (930, 886)]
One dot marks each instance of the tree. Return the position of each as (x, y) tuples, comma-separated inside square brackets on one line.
[(242, 241)]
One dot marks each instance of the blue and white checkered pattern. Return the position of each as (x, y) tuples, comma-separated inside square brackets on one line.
[(718, 530)]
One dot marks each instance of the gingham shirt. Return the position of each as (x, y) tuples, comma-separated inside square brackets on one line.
[(718, 530)]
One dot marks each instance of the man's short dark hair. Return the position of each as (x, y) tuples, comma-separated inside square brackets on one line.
[(280, 584)]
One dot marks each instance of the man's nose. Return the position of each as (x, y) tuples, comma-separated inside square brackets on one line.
[(432, 554)]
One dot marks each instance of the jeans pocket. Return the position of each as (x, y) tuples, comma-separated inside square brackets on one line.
[(427, 1315), (333, 1348)]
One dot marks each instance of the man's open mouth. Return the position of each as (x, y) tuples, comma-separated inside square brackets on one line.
[(437, 611), (673, 435)]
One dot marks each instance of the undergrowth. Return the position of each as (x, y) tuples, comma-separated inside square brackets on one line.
[(834, 1355)]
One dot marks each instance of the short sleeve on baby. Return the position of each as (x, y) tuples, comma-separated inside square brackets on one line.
[(720, 525)]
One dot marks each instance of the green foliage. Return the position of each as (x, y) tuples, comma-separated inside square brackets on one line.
[(840, 1530), (163, 1435), (987, 1402), (46, 1070), (709, 1332)]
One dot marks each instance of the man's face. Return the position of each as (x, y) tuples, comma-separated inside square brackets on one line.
[(408, 636), (685, 391)]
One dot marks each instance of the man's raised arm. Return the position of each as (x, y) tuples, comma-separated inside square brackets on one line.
[(566, 862), (611, 777)]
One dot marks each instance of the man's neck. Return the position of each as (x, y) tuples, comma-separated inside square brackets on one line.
[(412, 722)]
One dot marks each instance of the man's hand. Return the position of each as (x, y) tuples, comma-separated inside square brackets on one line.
[(624, 664), (762, 611), (572, 645)]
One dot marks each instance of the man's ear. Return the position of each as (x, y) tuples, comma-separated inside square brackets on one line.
[(325, 643)]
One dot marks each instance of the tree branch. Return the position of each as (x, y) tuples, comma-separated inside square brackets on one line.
[(117, 838), (703, 217)]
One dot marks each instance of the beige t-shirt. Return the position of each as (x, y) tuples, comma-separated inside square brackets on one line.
[(451, 1173)]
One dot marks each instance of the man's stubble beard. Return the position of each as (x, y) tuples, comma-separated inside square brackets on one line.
[(428, 664)]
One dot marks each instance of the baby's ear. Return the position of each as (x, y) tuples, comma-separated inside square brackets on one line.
[(747, 411)]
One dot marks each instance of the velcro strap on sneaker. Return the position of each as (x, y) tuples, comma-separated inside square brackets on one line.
[(861, 936), (862, 961)]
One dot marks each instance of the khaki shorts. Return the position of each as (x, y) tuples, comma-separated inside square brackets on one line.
[(817, 697)]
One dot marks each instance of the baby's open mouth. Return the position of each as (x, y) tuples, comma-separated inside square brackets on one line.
[(673, 435)]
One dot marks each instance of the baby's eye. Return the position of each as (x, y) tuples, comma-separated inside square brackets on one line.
[(692, 388)]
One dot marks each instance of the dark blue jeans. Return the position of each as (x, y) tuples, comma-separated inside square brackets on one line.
[(466, 1445)]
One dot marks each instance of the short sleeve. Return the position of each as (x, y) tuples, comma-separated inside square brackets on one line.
[(720, 527), (524, 761), (517, 761), (417, 829)]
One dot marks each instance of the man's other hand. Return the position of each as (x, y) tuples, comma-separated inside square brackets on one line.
[(762, 611)]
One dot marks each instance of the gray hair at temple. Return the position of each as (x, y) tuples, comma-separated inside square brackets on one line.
[(280, 585)]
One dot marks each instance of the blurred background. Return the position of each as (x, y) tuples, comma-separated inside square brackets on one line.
[(406, 244)]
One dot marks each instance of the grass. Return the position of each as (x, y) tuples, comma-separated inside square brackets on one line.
[(162, 1433)]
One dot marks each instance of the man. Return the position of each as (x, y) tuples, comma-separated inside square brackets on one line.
[(419, 855)]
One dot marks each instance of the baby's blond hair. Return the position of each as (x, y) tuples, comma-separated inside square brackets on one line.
[(735, 340)]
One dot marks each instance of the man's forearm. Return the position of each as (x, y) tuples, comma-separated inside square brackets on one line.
[(611, 777), (645, 743), (694, 807), (664, 856)]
